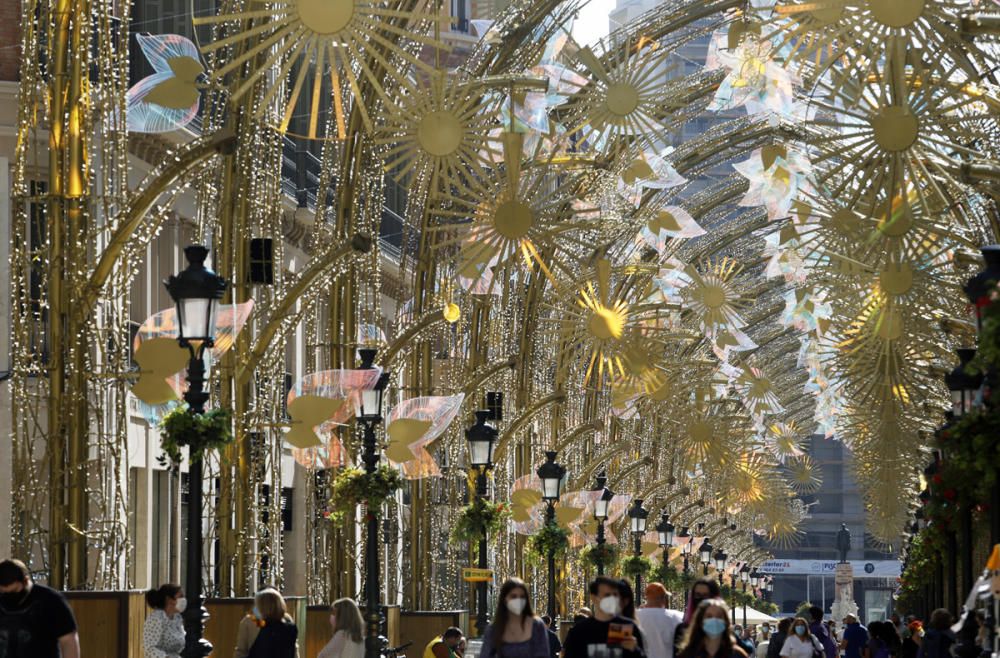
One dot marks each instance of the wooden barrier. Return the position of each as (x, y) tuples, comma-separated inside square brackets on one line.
[(422, 627), (109, 623)]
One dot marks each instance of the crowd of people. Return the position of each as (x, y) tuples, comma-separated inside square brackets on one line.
[(37, 621)]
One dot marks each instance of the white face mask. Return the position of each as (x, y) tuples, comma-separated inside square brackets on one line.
[(610, 605), (516, 606), (182, 604)]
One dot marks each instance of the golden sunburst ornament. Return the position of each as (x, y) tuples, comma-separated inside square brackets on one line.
[(803, 474), (325, 49), (442, 126)]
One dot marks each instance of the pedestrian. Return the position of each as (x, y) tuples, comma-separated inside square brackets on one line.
[(606, 632), (914, 638), (743, 639), (163, 631), (877, 647), (898, 624), (702, 589), (658, 624), (555, 644), (801, 643), (445, 645), (35, 620), (763, 643), (939, 638), (709, 634), (779, 637), (628, 599), (515, 632), (888, 634), (817, 629), (348, 626), (855, 638), (268, 632)]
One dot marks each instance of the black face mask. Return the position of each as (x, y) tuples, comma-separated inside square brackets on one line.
[(12, 600)]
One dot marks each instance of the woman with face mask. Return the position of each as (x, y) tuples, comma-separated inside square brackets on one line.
[(801, 643), (163, 632), (348, 626), (709, 634), (515, 632), (269, 631)]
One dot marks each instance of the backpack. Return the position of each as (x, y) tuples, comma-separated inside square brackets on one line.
[(818, 650)]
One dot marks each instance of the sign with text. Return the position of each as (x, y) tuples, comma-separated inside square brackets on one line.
[(476, 575), (861, 568)]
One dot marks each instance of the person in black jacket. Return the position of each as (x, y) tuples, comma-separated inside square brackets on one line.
[(607, 634), (779, 637), (278, 637)]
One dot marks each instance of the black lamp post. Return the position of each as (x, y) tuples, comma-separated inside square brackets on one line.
[(665, 534), (744, 579), (637, 517), (686, 548), (705, 553), (368, 410), (602, 509), (979, 290), (482, 439), (552, 476), (196, 293)]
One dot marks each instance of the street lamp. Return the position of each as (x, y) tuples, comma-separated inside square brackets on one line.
[(686, 549), (720, 563), (602, 509), (705, 553), (744, 579), (368, 409), (196, 293), (482, 438), (552, 476), (964, 386), (637, 517), (755, 579), (665, 533)]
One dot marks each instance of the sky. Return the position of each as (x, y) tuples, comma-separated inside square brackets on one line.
[(592, 22)]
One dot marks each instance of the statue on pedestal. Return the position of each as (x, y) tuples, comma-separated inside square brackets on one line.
[(843, 542)]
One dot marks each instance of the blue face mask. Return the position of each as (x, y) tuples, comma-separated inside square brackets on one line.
[(800, 630), (713, 626)]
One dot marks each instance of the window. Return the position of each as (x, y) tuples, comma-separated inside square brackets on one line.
[(260, 263)]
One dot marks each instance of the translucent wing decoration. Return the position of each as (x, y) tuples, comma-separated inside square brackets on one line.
[(647, 171), (321, 401), (168, 99), (162, 362), (412, 425), (776, 176), (669, 222), (526, 504)]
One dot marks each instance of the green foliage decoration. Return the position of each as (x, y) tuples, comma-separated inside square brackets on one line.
[(635, 565), (606, 554), (353, 487), (551, 537), (478, 517), (201, 433), (922, 560)]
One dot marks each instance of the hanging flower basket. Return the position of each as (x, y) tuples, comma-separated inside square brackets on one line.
[(636, 565), (604, 554), (478, 517), (551, 538), (671, 578), (201, 433), (353, 487)]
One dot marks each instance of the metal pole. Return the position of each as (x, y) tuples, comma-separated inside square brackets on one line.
[(601, 541), (744, 606), (482, 617), (966, 531), (195, 646), (372, 603), (550, 518), (638, 553)]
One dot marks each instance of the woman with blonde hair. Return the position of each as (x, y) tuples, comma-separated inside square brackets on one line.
[(267, 632), (348, 625)]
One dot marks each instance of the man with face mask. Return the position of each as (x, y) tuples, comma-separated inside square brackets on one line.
[(35, 620), (606, 634)]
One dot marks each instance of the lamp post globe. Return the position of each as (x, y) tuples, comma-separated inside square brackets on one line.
[(705, 553), (964, 385), (665, 532), (196, 292), (638, 516)]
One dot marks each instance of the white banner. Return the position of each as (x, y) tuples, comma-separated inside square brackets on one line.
[(862, 568)]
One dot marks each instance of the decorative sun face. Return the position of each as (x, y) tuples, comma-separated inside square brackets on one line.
[(442, 126), (323, 48)]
